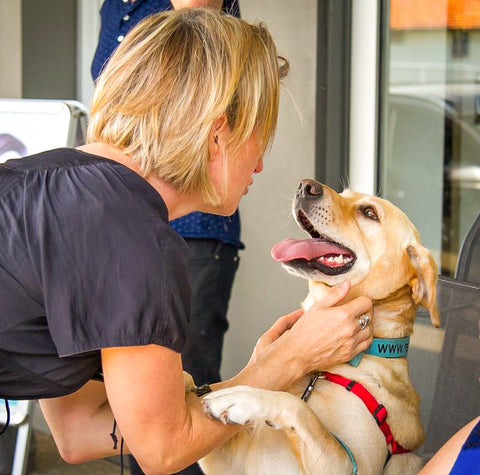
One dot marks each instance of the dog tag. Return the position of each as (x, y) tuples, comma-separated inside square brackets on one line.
[(355, 361)]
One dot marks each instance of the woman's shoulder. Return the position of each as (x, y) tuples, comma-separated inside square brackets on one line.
[(82, 180), (49, 160)]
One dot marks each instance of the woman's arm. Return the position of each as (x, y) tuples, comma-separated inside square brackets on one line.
[(145, 388), (443, 461), (166, 431), (323, 337), (79, 421)]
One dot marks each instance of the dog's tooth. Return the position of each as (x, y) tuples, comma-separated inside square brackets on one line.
[(339, 259), (330, 259)]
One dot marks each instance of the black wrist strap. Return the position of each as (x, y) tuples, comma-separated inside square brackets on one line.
[(202, 390)]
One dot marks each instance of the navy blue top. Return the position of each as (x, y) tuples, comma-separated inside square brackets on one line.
[(87, 261), (118, 17), (468, 460)]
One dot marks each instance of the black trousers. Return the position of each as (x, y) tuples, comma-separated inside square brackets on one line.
[(213, 265)]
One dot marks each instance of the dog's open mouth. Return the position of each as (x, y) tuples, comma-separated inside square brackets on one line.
[(318, 252)]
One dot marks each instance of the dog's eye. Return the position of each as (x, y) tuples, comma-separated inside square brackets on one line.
[(370, 213)]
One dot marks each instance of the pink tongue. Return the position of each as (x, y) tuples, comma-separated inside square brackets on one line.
[(290, 249)]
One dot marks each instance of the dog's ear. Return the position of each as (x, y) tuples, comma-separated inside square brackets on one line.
[(424, 281)]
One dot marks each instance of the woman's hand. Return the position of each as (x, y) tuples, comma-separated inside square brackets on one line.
[(282, 325), (316, 339), (328, 335)]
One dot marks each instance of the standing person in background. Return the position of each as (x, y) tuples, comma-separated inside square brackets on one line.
[(213, 241)]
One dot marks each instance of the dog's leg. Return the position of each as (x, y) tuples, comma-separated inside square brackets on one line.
[(406, 464), (188, 383), (315, 449)]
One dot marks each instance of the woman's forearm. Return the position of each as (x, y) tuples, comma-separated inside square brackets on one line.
[(189, 441), (164, 429), (81, 424), (269, 372)]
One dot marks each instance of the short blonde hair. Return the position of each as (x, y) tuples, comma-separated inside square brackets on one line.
[(172, 76)]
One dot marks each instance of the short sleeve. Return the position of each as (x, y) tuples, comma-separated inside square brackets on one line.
[(112, 271)]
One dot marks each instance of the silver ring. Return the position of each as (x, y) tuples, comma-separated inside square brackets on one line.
[(363, 320)]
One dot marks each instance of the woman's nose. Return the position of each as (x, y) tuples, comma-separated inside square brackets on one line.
[(259, 166)]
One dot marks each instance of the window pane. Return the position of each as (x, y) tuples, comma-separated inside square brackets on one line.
[(430, 127)]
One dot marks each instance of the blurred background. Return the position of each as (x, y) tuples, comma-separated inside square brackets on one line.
[(383, 97)]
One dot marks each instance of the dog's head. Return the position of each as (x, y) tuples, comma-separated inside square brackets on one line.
[(362, 238)]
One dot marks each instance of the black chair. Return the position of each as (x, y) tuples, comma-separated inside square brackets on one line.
[(456, 397), (445, 363), (468, 266)]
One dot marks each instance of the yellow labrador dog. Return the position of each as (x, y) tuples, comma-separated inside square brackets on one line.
[(362, 415)]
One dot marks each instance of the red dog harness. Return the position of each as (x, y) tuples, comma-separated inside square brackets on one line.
[(377, 410)]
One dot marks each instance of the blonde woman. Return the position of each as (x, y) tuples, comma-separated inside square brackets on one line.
[(92, 276)]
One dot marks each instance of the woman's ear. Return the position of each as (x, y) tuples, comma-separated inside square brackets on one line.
[(217, 138)]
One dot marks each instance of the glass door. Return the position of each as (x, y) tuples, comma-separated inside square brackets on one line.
[(430, 118)]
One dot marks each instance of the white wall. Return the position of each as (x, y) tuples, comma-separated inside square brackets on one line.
[(262, 290), (11, 49), (88, 28)]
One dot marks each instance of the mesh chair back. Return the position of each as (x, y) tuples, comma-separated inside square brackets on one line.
[(445, 363)]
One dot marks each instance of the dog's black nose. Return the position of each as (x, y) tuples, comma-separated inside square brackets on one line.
[(310, 189)]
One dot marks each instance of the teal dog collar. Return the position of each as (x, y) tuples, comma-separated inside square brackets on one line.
[(385, 348)]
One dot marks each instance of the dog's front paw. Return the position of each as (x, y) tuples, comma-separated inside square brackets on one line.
[(237, 405)]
